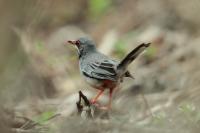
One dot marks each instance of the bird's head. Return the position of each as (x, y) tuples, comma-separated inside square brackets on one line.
[(83, 45)]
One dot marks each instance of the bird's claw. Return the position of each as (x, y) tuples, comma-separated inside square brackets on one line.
[(93, 101), (102, 107)]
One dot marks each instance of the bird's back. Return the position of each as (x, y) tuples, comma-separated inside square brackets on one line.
[(98, 66)]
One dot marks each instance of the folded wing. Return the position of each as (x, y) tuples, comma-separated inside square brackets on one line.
[(102, 69)]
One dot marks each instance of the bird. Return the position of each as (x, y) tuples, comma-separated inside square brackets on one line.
[(100, 71)]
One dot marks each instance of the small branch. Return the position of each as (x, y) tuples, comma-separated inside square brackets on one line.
[(87, 110), (84, 107), (170, 101)]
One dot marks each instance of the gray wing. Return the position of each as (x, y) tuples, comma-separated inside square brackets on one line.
[(100, 67)]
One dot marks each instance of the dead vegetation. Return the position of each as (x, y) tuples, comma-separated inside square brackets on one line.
[(40, 80)]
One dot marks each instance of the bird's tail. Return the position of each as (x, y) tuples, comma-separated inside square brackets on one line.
[(131, 56)]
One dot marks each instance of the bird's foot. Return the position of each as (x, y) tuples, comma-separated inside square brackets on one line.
[(104, 108), (99, 106), (92, 101), (95, 103)]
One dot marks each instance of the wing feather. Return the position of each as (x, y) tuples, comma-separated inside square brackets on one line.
[(103, 69)]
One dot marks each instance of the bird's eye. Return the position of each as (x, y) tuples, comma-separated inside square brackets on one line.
[(78, 42)]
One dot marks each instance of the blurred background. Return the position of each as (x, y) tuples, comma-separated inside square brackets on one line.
[(39, 74)]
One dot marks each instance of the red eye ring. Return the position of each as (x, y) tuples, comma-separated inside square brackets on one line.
[(78, 42)]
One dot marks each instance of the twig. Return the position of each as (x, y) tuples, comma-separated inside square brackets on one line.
[(84, 108), (146, 104), (87, 110), (30, 124), (157, 108)]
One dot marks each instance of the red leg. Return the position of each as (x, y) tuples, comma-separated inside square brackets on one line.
[(94, 100), (110, 98), (108, 107)]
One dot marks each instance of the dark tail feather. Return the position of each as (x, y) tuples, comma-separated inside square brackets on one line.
[(132, 55)]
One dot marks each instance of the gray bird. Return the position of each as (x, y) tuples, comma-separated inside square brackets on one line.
[(100, 71)]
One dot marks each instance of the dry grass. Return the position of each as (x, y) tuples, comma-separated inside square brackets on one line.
[(39, 74)]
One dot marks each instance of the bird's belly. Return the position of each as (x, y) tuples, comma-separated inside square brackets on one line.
[(94, 82), (101, 84)]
